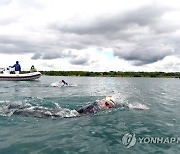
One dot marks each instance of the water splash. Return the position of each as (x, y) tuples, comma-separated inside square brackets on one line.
[(26, 109), (138, 106), (122, 102), (56, 84), (60, 84)]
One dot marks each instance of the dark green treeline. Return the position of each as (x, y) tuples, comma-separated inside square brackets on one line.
[(112, 74)]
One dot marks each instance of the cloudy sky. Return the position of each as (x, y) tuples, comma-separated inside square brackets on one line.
[(91, 35)]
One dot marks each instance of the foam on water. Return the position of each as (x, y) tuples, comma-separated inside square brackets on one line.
[(26, 109), (4, 101), (56, 84), (138, 106), (60, 84), (121, 101)]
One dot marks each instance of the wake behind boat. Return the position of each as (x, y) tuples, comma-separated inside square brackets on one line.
[(20, 77)]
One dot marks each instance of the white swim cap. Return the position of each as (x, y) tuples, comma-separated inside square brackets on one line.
[(110, 98)]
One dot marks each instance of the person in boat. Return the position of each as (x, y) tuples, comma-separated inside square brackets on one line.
[(103, 104), (64, 82), (33, 69), (6, 71), (17, 67)]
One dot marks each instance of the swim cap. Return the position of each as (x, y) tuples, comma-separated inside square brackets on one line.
[(110, 98)]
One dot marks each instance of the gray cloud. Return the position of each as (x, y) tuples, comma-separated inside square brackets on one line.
[(143, 17), (141, 36), (79, 61), (141, 56), (37, 56), (143, 27), (12, 44), (53, 54), (144, 51)]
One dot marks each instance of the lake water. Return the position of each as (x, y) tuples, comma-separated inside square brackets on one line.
[(150, 111)]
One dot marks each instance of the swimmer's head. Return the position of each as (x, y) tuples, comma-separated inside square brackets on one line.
[(110, 98), (109, 104), (109, 101)]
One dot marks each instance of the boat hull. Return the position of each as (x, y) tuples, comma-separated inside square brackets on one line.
[(20, 77)]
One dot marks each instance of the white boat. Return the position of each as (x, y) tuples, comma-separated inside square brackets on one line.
[(20, 77)]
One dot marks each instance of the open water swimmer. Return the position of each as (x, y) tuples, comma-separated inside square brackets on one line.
[(41, 111)]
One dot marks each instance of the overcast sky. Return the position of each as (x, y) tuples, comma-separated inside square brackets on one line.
[(91, 35)]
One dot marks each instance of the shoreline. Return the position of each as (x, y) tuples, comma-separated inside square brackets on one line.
[(113, 74)]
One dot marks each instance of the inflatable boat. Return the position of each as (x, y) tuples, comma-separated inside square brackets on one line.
[(20, 77)]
